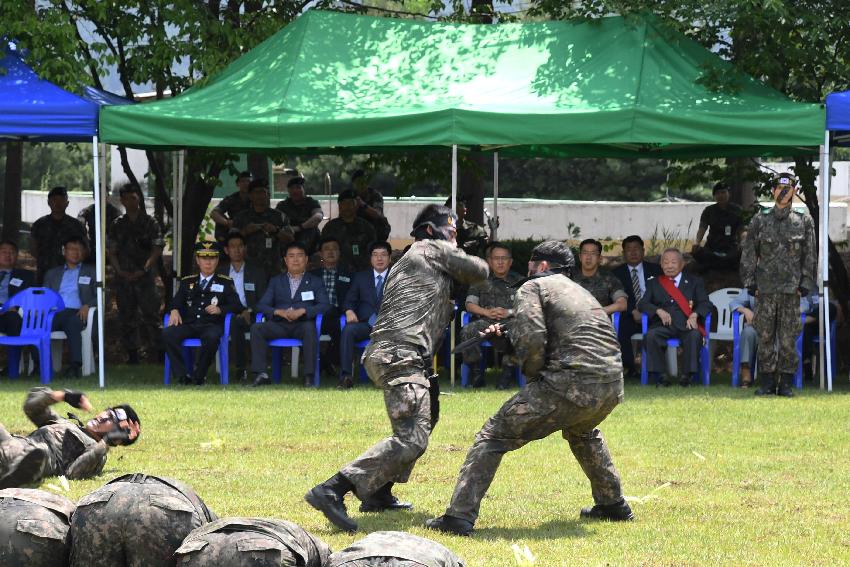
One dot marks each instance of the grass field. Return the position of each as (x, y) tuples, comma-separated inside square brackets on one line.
[(715, 476)]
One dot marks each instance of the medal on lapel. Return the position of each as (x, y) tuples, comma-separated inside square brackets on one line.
[(214, 300)]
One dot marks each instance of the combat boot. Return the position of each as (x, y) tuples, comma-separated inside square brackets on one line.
[(450, 525), (784, 388), (28, 469), (476, 377), (329, 499), (383, 500), (506, 377), (768, 385), (617, 512)]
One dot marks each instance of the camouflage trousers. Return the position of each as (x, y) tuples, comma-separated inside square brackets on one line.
[(778, 323), (138, 312), (392, 459), (12, 448), (533, 413)]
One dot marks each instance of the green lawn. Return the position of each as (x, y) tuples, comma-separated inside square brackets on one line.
[(715, 475)]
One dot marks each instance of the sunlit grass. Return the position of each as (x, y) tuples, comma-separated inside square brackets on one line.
[(715, 475)]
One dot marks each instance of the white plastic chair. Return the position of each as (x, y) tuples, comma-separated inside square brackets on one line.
[(56, 338), (721, 300)]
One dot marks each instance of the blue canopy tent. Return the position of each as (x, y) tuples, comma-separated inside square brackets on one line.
[(35, 110), (837, 134)]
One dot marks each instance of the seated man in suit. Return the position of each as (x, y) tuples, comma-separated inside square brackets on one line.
[(633, 275), (361, 307), (290, 304), (675, 303), (337, 280), (75, 283), (249, 281), (12, 280)]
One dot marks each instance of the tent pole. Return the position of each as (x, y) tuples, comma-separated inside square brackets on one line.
[(454, 208), (494, 234), (824, 326), (99, 201)]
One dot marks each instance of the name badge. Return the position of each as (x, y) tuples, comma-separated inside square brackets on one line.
[(249, 286), (345, 279), (728, 230), (16, 282), (268, 242), (355, 249), (217, 288), (307, 296), (84, 280)]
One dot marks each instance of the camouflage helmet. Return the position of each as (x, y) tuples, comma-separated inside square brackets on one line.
[(34, 527)]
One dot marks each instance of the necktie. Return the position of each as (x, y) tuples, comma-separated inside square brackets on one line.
[(636, 285), (205, 283), (379, 287)]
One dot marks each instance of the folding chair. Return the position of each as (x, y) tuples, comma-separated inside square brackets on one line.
[(672, 345), (223, 352), (38, 306)]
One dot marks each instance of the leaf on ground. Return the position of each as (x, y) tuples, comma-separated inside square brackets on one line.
[(698, 456), (523, 556), (64, 482), (211, 445)]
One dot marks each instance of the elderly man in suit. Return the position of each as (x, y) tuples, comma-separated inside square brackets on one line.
[(75, 283), (633, 275), (250, 282), (676, 304), (12, 280), (361, 307), (290, 304)]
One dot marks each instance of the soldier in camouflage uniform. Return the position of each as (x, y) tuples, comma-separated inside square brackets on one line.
[(86, 218), (414, 313), (61, 446), (778, 267), (395, 549), (571, 358), (254, 542), (352, 232), (224, 214), (34, 528), (50, 233), (304, 214), (604, 287), (264, 229), (370, 205), (135, 520), (489, 302), (135, 244), (471, 237)]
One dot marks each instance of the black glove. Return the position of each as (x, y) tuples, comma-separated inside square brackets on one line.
[(73, 398), (752, 290), (804, 292)]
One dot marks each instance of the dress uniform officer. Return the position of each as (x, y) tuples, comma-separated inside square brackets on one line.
[(198, 310)]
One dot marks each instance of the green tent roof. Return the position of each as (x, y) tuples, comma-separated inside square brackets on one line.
[(611, 87)]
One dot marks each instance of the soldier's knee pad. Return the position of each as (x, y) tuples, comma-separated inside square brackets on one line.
[(134, 520), (254, 542), (34, 528)]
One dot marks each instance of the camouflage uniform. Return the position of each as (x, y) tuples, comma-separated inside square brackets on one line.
[(138, 301), (50, 235), (603, 286), (395, 549), (34, 528), (62, 445), (354, 239), (779, 258), (135, 520), (414, 313), (375, 200), (297, 213), (571, 358), (493, 292), (472, 238), (86, 218), (257, 542), (264, 249), (229, 207)]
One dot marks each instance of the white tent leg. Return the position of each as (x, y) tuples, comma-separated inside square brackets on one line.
[(824, 326), (454, 208), (494, 234), (99, 204)]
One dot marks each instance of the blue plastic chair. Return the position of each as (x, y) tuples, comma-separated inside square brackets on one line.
[(188, 359), (833, 337), (364, 378), (464, 368), (736, 353), (37, 306), (615, 320), (276, 344), (704, 356)]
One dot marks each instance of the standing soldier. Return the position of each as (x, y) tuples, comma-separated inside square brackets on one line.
[(395, 549), (778, 267), (304, 214), (135, 244), (370, 205), (86, 218), (414, 313), (570, 355), (352, 232), (49, 233), (471, 237), (264, 229), (225, 212), (34, 527)]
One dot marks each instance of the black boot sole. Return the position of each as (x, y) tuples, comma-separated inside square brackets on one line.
[(370, 507)]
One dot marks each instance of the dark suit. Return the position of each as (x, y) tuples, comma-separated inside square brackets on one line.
[(628, 326), (363, 299), (191, 301), (254, 284), (330, 321), (68, 319), (311, 296), (17, 280), (656, 337)]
